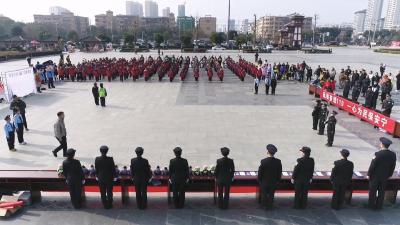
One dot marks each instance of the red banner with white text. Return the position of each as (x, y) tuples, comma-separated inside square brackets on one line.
[(368, 115)]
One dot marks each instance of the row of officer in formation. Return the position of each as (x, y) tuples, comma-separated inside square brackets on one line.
[(269, 176)]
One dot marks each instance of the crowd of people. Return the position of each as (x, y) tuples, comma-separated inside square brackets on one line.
[(269, 175)]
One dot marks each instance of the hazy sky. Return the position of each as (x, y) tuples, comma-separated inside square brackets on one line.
[(329, 11)]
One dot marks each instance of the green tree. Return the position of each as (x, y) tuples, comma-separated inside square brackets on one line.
[(241, 39), (218, 38), (129, 38), (104, 37), (44, 35), (17, 31), (232, 34), (158, 38), (73, 36), (186, 39)]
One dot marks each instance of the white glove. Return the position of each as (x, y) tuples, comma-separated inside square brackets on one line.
[(83, 181), (292, 181), (115, 179)]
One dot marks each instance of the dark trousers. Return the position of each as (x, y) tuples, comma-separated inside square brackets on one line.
[(266, 89), (301, 195), (11, 140), (383, 96), (106, 191), (315, 123), (321, 130), (255, 89), (96, 100), (63, 146), (267, 197), (24, 118), (141, 194), (338, 196), (223, 195), (50, 83), (75, 192), (273, 86), (331, 136), (178, 194), (376, 201), (20, 132), (103, 101)]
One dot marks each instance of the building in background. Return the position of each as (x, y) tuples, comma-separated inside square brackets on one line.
[(106, 21), (359, 22), (150, 9), (134, 9), (185, 24), (245, 26), (207, 26), (181, 10), (392, 19), (64, 20), (381, 24), (232, 24), (57, 10), (166, 11), (374, 12)]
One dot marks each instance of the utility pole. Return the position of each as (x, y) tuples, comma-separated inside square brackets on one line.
[(314, 29), (255, 30), (229, 20)]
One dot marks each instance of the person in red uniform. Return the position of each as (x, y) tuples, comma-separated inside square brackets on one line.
[(72, 72), (60, 71)]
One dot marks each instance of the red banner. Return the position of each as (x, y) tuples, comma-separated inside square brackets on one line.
[(369, 115)]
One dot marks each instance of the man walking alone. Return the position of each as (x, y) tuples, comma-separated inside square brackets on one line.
[(61, 134)]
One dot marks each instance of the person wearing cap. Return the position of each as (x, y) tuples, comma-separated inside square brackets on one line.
[(224, 172), (19, 127), (269, 174), (106, 175), (95, 93), (387, 105), (102, 95), (380, 170), (18, 104), (256, 84), (302, 178), (9, 130), (61, 134), (73, 173), (341, 176), (141, 174), (330, 128), (369, 98), (322, 119), (178, 177), (316, 114), (346, 88)]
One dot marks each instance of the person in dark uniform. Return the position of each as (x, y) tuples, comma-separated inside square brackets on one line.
[(341, 176), (72, 171), (256, 57), (387, 105), (141, 174), (369, 98), (95, 92), (106, 175), (322, 119), (346, 88), (355, 94), (302, 178), (330, 128), (380, 170), (316, 114), (179, 176), (224, 172), (269, 174)]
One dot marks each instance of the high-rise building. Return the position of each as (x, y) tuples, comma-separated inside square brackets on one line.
[(166, 12), (64, 20), (373, 15), (185, 24), (359, 22), (106, 21), (57, 10), (232, 24), (245, 26), (150, 9), (134, 9), (392, 20), (207, 26), (181, 10)]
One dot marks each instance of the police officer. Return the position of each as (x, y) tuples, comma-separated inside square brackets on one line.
[(330, 129), (179, 176), (269, 174), (224, 172), (102, 95), (302, 177), (341, 176), (387, 105), (106, 175), (256, 84), (380, 170), (322, 119), (72, 171), (141, 174), (316, 114)]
